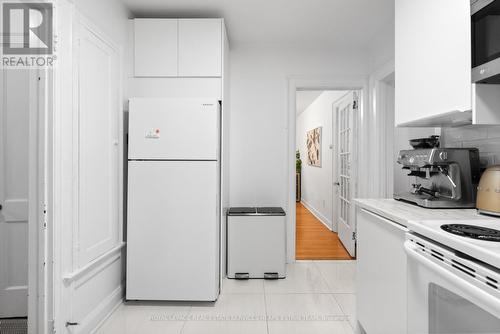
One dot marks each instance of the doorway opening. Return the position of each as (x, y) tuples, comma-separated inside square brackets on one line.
[(325, 175)]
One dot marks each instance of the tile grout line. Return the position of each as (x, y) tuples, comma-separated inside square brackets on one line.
[(343, 311), (265, 307), (323, 277), (333, 296), (186, 320), (328, 285)]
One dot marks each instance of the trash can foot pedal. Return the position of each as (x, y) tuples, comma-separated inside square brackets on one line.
[(241, 276), (271, 276)]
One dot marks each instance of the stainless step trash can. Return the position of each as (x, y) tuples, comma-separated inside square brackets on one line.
[(256, 243)]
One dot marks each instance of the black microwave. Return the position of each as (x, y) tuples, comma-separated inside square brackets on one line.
[(485, 24)]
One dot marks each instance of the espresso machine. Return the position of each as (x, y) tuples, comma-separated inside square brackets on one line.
[(443, 177)]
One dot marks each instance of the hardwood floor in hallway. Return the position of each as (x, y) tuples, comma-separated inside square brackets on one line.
[(314, 241)]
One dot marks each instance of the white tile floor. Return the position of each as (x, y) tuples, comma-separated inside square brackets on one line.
[(316, 297)]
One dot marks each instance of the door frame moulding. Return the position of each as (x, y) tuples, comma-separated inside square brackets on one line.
[(40, 262), (339, 82), (381, 149), (56, 174)]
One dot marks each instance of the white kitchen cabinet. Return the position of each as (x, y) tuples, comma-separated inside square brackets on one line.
[(178, 47), (485, 102), (381, 274), (200, 47), (433, 62), (155, 47)]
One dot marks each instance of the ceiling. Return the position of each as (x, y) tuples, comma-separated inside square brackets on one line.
[(301, 23)]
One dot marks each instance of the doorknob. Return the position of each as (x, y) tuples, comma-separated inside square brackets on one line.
[(336, 183)]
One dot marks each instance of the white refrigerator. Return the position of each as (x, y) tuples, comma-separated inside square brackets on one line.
[(173, 214)]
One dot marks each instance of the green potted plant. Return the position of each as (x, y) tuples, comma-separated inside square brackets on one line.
[(298, 168), (298, 162)]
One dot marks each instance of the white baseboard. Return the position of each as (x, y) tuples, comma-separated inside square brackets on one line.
[(107, 307), (325, 221)]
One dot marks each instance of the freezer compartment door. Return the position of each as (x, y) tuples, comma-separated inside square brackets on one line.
[(173, 230), (173, 129)]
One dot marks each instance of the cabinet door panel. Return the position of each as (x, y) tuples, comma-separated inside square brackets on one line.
[(155, 47), (433, 58), (381, 275), (200, 47)]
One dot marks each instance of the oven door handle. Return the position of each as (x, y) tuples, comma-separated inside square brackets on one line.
[(474, 294)]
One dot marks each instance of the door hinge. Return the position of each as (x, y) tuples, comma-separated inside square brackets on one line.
[(44, 215), (354, 236)]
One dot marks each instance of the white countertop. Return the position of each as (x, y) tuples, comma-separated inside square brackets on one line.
[(402, 212), (427, 222)]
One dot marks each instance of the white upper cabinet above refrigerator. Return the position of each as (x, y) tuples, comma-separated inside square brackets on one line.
[(200, 47), (433, 62), (178, 47), (155, 51)]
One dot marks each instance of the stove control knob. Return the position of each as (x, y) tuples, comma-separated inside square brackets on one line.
[(443, 156)]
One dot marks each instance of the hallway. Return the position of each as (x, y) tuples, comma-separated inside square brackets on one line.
[(314, 241)]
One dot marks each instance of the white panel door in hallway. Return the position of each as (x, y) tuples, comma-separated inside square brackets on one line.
[(345, 112), (14, 153)]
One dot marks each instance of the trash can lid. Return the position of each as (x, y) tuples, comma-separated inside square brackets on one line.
[(271, 211), (239, 211)]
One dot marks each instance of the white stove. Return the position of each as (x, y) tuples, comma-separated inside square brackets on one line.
[(483, 250), (453, 276)]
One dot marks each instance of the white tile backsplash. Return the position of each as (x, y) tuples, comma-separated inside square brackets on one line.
[(485, 138)]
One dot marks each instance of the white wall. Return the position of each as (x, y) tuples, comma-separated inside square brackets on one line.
[(382, 46), (110, 16), (317, 184), (259, 115)]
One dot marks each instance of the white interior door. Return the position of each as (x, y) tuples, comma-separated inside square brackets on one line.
[(345, 151), (14, 154)]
